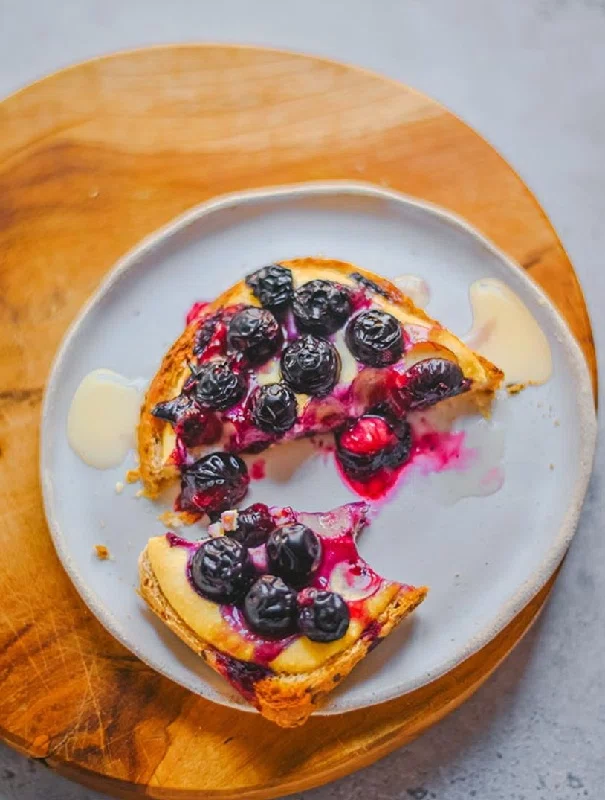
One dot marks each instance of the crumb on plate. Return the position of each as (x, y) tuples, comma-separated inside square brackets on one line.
[(132, 476), (101, 552)]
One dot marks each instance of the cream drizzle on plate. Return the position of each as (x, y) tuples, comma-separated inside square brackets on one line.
[(102, 419), (505, 332)]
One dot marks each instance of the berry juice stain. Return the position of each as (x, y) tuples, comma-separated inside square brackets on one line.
[(258, 469)]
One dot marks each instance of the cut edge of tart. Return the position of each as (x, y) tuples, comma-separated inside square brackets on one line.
[(285, 678), (161, 451)]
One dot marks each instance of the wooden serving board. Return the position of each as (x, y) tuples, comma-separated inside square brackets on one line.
[(91, 160)]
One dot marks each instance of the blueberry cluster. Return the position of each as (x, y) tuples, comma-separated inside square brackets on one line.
[(275, 604), (234, 340)]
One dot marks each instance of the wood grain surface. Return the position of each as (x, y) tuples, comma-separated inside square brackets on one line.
[(91, 160)]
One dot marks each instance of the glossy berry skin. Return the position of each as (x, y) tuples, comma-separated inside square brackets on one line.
[(213, 483), (254, 524), (274, 408), (272, 286), (372, 443), (310, 366), (322, 616), (361, 448), (428, 382), (205, 332), (173, 410), (217, 386), (321, 307), (293, 553), (270, 607), (368, 284), (256, 334), (221, 569), (375, 338)]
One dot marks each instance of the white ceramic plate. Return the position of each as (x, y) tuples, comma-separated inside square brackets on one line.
[(484, 558)]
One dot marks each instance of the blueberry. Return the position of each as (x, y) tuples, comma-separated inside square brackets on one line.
[(254, 524), (213, 483), (310, 366), (173, 410), (428, 382), (255, 333), (293, 553), (270, 607), (217, 386), (361, 448), (272, 286), (371, 443), (321, 307), (205, 332), (375, 338), (222, 570), (368, 284), (195, 428), (274, 408), (402, 449), (322, 616)]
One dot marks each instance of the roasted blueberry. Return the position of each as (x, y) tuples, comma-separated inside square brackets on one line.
[(375, 338), (254, 524), (274, 408), (217, 386), (270, 607), (255, 333), (311, 366), (195, 428), (272, 286), (222, 570), (361, 448), (428, 382), (293, 553), (213, 483), (173, 410), (322, 616), (321, 307), (368, 284), (402, 449), (205, 332), (371, 443)]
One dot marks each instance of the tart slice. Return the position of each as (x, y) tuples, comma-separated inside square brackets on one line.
[(279, 603), (299, 348)]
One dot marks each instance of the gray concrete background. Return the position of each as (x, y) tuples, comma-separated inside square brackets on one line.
[(530, 76)]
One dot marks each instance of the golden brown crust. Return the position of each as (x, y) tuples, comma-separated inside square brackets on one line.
[(154, 470), (288, 700)]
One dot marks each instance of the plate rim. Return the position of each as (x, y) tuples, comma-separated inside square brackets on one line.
[(585, 403)]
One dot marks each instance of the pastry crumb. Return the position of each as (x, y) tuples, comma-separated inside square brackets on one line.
[(119, 487), (551, 467), (133, 476), (515, 388), (101, 552), (171, 519), (140, 493)]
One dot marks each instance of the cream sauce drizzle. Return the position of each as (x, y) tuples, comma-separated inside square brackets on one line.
[(102, 419), (505, 332)]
